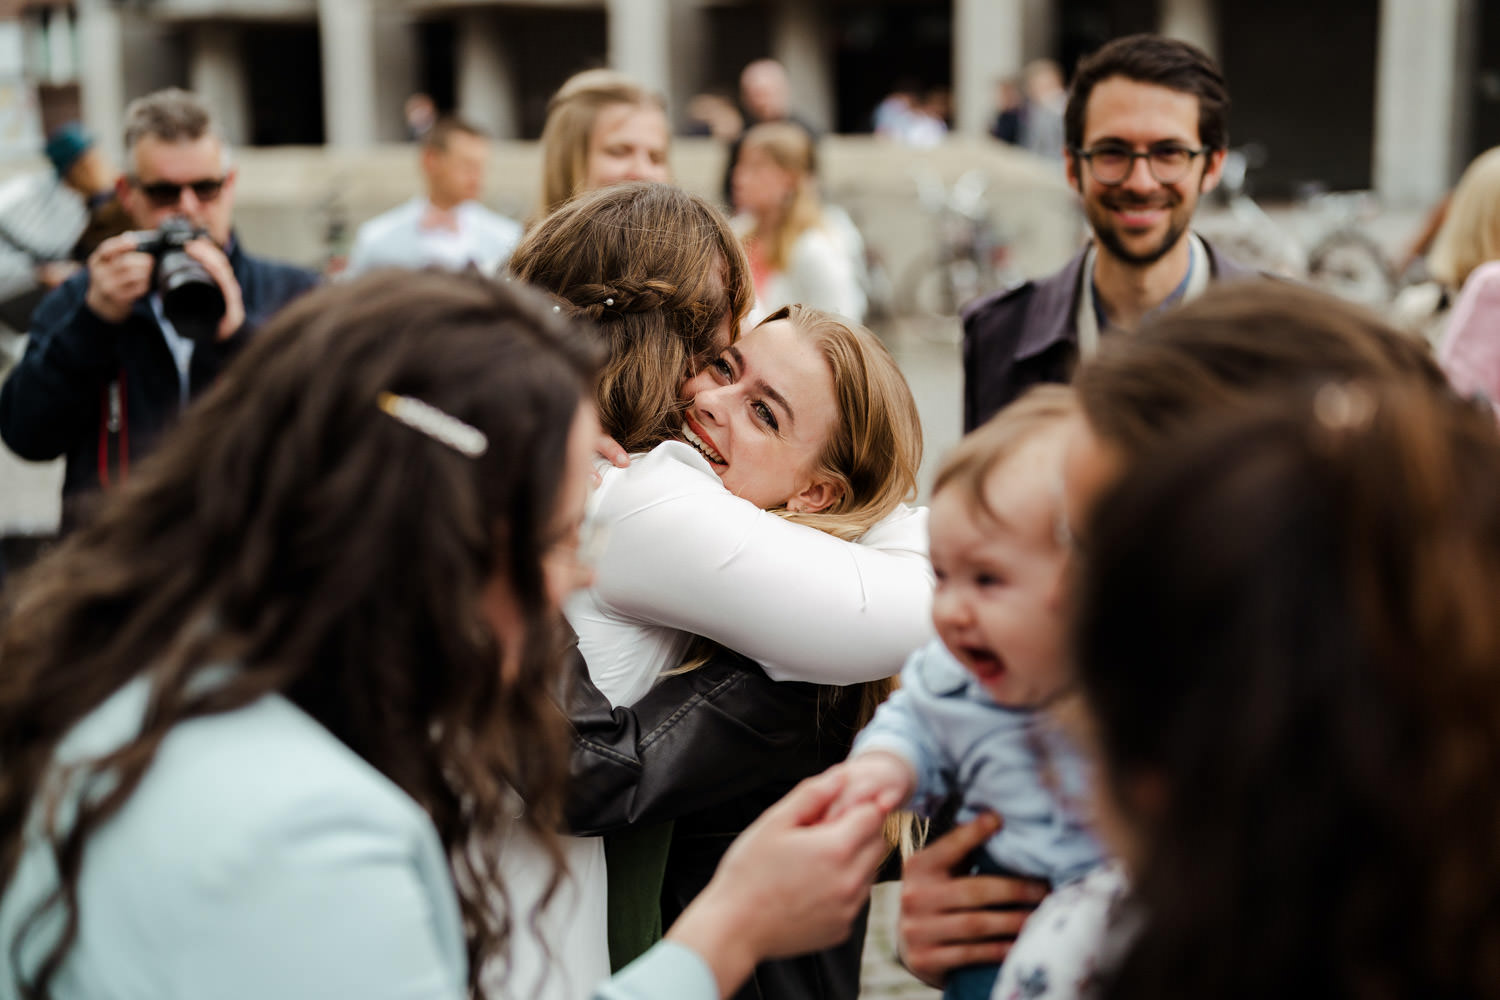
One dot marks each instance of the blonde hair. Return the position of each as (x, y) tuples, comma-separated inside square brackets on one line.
[(571, 115), (790, 147), (875, 450), (968, 467), (1470, 234), (656, 270)]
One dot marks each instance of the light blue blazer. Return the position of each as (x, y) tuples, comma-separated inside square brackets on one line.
[(259, 857)]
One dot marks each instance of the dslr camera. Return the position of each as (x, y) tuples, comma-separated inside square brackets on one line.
[(190, 298)]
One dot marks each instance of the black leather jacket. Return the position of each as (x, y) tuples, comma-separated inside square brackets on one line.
[(712, 749)]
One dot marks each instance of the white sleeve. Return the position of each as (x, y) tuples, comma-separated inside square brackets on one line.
[(683, 552), (821, 276)]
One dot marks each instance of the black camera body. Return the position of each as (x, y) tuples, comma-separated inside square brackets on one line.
[(191, 299)]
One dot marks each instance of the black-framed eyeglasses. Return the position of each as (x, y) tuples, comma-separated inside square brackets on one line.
[(165, 194), (1168, 163)]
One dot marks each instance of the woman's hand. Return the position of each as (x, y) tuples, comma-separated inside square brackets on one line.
[(947, 920), (792, 883), (609, 449)]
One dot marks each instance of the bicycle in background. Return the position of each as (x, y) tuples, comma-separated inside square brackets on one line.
[(1335, 252), (969, 257)]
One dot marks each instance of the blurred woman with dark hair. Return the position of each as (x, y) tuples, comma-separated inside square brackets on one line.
[(1287, 645)]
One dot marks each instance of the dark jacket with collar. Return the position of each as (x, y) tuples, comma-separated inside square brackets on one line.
[(711, 749), (59, 400), (1025, 335)]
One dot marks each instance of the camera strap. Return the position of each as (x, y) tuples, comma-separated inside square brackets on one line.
[(114, 433)]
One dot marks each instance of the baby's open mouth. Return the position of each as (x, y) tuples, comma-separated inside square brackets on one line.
[(983, 663)]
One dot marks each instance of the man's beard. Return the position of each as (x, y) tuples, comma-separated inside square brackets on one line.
[(1107, 235)]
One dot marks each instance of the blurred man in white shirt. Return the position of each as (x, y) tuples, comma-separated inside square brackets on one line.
[(446, 227)]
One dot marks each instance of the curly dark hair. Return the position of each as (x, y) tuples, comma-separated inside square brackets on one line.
[(1286, 627), (334, 555)]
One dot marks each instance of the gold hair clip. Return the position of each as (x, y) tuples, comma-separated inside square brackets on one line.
[(441, 427)]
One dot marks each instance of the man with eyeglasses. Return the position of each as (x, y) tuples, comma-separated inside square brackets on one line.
[(1146, 131), (105, 372)]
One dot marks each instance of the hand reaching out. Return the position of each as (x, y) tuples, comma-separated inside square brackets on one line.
[(792, 883), (871, 776), (948, 918)]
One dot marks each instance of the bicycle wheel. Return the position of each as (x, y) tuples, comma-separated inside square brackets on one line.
[(1349, 264), (934, 292)]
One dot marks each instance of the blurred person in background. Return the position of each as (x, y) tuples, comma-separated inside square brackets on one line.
[(51, 222), (446, 227), (602, 128), (765, 96), (798, 253), (106, 373), (715, 116), (1468, 236), (1041, 129), (1010, 111)]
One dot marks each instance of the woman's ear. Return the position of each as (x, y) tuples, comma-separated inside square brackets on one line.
[(818, 497)]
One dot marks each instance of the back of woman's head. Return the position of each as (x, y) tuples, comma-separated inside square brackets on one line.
[(295, 528), (1286, 633), (875, 450), (659, 272), (1227, 348), (1470, 233), (571, 115)]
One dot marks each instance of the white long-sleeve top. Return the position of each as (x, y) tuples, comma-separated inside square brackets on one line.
[(683, 556)]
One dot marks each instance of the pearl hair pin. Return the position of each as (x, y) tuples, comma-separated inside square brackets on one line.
[(442, 427)]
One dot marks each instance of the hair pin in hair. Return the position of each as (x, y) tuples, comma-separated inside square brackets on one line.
[(557, 309), (441, 427), (1344, 407), (609, 302)]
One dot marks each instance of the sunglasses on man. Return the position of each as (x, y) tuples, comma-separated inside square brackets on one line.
[(165, 194)]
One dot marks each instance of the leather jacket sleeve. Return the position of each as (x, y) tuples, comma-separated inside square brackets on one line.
[(697, 739)]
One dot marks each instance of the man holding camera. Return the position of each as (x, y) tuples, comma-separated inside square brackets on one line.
[(118, 350)]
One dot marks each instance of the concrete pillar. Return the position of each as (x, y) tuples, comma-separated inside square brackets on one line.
[(396, 55), (988, 36), (486, 80), (800, 42), (1195, 21), (216, 72), (687, 56), (62, 55), (346, 30), (102, 72), (1039, 31), (638, 34), (1415, 96)]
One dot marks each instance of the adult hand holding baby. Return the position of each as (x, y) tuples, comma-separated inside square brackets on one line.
[(949, 919)]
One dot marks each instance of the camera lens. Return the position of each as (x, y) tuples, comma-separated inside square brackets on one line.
[(190, 298)]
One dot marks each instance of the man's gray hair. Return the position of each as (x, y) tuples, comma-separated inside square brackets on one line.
[(171, 115)]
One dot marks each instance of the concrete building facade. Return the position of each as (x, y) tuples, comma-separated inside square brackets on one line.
[(1390, 94)]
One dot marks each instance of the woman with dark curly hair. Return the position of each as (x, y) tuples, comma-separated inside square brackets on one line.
[(265, 720)]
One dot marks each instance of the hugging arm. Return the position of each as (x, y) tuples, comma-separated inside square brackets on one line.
[(685, 553)]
